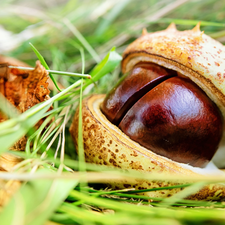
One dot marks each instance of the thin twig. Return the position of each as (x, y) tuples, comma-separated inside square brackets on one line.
[(54, 72)]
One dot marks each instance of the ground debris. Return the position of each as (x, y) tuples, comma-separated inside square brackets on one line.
[(23, 89)]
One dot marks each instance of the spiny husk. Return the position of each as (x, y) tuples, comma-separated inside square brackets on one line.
[(191, 53)]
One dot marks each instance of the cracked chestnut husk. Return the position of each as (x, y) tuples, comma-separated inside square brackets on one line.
[(167, 113)]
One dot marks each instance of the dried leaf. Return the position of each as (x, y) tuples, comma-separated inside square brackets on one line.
[(23, 89)]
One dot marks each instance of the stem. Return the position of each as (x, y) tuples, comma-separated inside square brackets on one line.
[(54, 72)]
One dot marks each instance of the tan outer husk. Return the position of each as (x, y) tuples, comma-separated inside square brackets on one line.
[(190, 52), (105, 144)]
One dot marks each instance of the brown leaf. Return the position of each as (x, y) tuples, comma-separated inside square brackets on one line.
[(23, 89)]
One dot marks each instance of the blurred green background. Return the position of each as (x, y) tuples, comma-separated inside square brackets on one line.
[(58, 29), (61, 25)]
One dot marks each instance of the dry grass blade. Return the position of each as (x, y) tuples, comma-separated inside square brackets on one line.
[(123, 37)]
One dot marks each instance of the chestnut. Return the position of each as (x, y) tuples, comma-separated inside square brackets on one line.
[(168, 114), (165, 115)]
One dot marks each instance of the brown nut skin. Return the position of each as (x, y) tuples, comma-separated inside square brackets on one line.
[(106, 144), (130, 88), (190, 53), (166, 113), (176, 120)]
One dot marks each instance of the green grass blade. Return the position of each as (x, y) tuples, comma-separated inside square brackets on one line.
[(82, 165), (107, 65), (114, 12), (7, 108), (20, 128), (82, 40), (35, 202), (192, 22), (185, 214), (194, 188), (20, 125), (43, 62)]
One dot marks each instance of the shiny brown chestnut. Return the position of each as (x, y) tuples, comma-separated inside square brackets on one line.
[(166, 113), (192, 57)]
